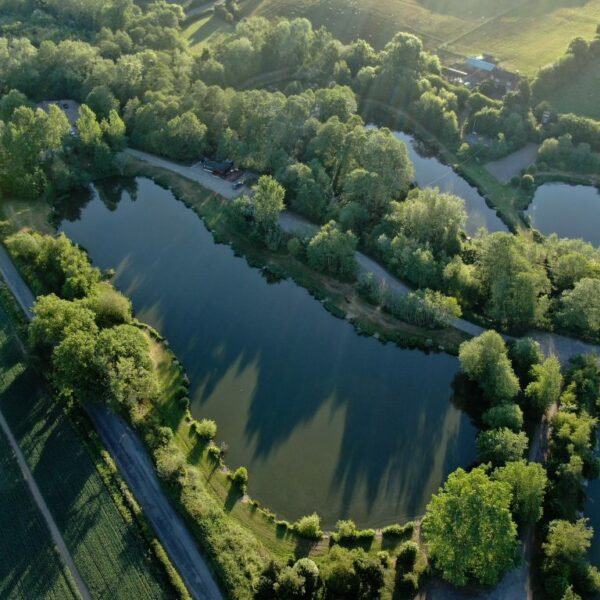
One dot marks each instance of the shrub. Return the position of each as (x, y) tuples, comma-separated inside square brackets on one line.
[(368, 287), (399, 531), (527, 182), (347, 532), (214, 453), (240, 478), (184, 402), (407, 555), (181, 392), (309, 527), (294, 247), (206, 429)]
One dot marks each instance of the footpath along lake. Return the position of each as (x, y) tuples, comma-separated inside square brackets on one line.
[(571, 211), (324, 419)]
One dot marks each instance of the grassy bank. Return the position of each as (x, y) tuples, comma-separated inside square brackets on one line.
[(108, 551), (340, 298)]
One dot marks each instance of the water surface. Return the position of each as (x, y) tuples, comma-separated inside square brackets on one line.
[(324, 419), (431, 172), (571, 211)]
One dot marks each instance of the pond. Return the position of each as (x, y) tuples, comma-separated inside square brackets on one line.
[(324, 419), (592, 512), (431, 172), (571, 211)]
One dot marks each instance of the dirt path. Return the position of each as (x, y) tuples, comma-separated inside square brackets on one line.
[(44, 511)]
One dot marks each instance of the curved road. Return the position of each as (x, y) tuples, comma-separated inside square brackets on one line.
[(137, 469)]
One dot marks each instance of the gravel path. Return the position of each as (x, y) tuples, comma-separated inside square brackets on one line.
[(137, 468), (139, 472), (195, 173), (504, 169)]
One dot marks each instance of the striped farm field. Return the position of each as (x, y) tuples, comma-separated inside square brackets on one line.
[(108, 552), (30, 567)]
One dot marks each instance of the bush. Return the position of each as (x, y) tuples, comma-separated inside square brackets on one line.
[(368, 287), (309, 527), (347, 532), (399, 531), (527, 182), (206, 429), (294, 247), (184, 402), (181, 392), (240, 478), (214, 453), (407, 555)]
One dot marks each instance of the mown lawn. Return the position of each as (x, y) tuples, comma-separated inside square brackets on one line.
[(523, 35), (30, 566), (108, 553)]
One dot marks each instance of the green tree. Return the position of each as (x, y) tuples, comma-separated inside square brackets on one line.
[(546, 385), (268, 201), (432, 219), (54, 319), (528, 483), (500, 446), (468, 528), (332, 251), (579, 308), (109, 306), (504, 415), (484, 360)]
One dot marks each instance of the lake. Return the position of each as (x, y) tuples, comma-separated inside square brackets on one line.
[(431, 172), (571, 211), (323, 418)]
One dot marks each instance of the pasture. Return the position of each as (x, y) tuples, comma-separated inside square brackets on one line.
[(581, 95), (109, 554), (523, 35)]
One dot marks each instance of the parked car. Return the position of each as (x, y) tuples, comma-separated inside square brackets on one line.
[(237, 185)]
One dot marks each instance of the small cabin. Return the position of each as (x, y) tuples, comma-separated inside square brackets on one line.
[(217, 167)]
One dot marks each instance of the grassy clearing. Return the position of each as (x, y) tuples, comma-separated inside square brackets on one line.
[(108, 553), (30, 567), (523, 35), (205, 31), (582, 94)]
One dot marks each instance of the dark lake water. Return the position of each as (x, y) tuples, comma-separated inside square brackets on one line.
[(571, 211), (324, 419), (430, 172)]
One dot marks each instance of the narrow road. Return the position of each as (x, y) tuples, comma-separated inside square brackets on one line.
[(138, 470), (44, 511), (563, 347)]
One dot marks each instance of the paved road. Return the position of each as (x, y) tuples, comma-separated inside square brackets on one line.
[(139, 473), (551, 343), (45, 512), (138, 470)]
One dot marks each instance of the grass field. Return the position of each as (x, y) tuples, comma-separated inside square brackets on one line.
[(30, 567), (582, 95), (108, 553), (524, 35)]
